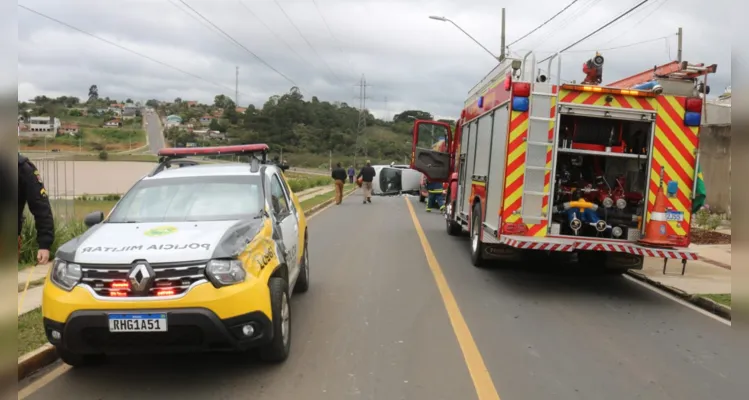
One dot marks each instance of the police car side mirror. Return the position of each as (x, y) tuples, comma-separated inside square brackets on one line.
[(93, 218)]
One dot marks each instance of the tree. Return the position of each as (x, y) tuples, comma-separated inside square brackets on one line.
[(129, 101), (231, 114), (214, 125), (222, 101), (411, 115), (153, 103)]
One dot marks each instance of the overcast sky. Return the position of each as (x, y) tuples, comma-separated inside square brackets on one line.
[(410, 61)]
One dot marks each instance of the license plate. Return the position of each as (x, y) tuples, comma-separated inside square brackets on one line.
[(137, 323), (674, 216)]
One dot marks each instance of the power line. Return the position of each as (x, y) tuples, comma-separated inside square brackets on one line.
[(639, 22), (638, 5), (307, 41), (271, 31), (625, 45), (200, 21), (573, 15), (330, 31), (240, 44), (545, 22), (123, 47)]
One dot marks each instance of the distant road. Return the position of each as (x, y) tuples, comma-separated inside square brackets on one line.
[(153, 130)]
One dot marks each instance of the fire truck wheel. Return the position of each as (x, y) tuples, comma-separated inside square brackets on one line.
[(453, 228), (477, 248), (422, 199)]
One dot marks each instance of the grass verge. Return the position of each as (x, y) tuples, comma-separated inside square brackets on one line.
[(30, 331), (724, 298), (319, 199)]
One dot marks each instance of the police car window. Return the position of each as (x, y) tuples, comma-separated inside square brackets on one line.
[(185, 200), (278, 197)]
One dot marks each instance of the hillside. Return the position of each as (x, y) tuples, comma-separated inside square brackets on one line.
[(304, 132)]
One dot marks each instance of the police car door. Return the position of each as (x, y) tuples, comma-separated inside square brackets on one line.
[(287, 221)]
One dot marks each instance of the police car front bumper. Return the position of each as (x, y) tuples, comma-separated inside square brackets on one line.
[(188, 330)]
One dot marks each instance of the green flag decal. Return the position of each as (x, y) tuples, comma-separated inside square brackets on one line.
[(700, 192)]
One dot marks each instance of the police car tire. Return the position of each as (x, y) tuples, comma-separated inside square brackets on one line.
[(302, 281), (79, 360), (276, 351)]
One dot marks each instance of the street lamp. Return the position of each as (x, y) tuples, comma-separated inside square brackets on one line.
[(443, 19)]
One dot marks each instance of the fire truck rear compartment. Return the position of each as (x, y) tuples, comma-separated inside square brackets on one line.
[(600, 177)]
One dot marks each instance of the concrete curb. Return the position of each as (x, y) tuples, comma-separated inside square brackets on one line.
[(316, 209), (699, 301), (46, 355), (36, 360)]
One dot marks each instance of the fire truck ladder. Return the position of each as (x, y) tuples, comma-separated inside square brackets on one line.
[(538, 142), (672, 70)]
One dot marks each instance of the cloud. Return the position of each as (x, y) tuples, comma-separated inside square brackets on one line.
[(409, 61)]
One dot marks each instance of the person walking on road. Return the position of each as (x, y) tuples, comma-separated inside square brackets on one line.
[(436, 198), (351, 173), (367, 174), (339, 175), (31, 191)]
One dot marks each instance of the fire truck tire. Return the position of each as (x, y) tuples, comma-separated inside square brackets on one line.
[(453, 228), (422, 199), (477, 248)]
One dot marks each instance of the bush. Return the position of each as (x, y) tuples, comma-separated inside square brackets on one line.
[(103, 155), (65, 230), (304, 183), (706, 220)]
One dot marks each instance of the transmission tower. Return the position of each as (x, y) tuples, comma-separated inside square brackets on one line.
[(362, 117)]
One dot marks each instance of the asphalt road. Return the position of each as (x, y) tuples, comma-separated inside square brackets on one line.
[(385, 319), (153, 130)]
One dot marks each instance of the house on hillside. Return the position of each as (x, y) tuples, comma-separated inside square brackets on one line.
[(70, 129), (191, 103), (46, 125), (173, 120), (241, 110), (128, 113), (206, 119), (113, 123)]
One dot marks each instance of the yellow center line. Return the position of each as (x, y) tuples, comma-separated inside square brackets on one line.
[(482, 380)]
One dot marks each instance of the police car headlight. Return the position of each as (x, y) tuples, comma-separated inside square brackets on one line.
[(225, 272), (66, 275)]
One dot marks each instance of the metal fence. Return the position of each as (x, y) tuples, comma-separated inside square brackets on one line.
[(59, 180)]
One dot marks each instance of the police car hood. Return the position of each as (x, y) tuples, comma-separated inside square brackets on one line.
[(122, 243)]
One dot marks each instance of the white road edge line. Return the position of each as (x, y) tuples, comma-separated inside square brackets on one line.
[(678, 300)]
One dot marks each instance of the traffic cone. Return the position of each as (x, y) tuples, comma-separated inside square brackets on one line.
[(657, 227)]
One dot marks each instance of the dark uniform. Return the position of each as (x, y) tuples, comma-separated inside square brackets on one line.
[(31, 191)]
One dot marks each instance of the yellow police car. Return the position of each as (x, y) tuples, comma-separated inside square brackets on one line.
[(203, 257)]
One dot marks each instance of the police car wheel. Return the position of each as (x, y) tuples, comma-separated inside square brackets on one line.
[(277, 350), (302, 282)]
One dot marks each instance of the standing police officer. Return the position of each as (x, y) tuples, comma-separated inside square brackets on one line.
[(31, 191)]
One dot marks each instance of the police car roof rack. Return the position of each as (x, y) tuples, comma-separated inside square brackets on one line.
[(168, 155)]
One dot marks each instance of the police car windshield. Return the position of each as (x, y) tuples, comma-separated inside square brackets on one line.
[(213, 198)]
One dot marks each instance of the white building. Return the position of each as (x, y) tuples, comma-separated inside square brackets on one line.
[(48, 125)]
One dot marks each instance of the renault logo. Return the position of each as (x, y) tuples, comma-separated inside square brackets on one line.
[(140, 277)]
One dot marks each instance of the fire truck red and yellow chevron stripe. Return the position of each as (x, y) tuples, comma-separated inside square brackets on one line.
[(515, 168), (674, 150), (599, 99)]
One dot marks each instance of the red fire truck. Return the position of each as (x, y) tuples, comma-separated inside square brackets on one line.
[(605, 172)]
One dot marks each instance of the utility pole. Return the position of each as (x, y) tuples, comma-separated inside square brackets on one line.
[(680, 38), (236, 87), (502, 52), (362, 115)]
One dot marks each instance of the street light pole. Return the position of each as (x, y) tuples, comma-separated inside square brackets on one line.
[(443, 19)]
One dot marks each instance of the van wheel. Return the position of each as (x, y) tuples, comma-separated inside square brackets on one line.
[(79, 360), (278, 349), (302, 282), (477, 248)]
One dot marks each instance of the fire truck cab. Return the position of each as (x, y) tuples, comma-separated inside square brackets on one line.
[(604, 173)]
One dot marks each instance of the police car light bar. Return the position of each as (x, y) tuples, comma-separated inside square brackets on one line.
[(213, 151)]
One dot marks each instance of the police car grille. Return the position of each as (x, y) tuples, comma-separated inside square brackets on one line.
[(169, 280)]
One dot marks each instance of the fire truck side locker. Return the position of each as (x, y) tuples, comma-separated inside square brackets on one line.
[(497, 161)]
